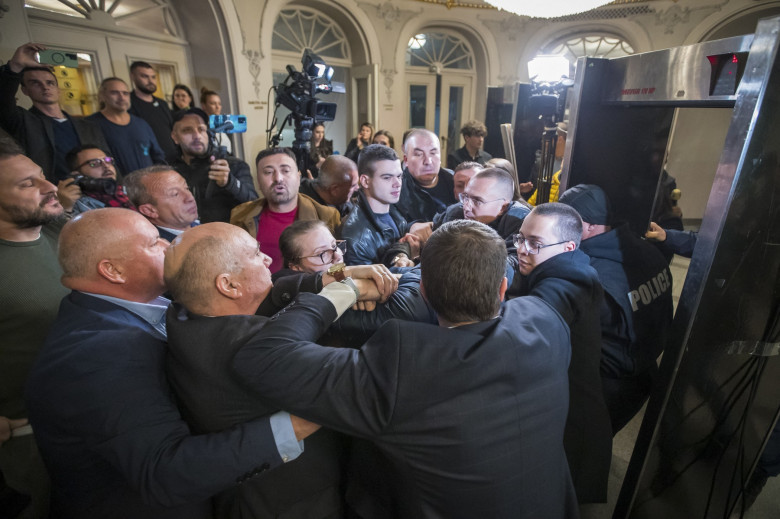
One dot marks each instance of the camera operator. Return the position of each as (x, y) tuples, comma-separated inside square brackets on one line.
[(93, 182), (218, 184)]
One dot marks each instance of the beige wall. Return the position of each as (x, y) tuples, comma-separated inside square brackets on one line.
[(379, 31)]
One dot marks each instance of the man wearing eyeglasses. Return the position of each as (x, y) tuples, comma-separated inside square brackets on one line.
[(487, 198), (93, 183), (552, 267)]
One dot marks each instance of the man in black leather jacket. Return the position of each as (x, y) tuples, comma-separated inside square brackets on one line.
[(374, 223)]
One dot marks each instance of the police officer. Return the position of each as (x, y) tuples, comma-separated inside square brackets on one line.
[(636, 314)]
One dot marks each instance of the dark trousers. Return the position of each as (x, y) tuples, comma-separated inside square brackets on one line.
[(626, 396)]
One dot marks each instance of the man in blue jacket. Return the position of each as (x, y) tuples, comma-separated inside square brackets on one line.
[(108, 429)]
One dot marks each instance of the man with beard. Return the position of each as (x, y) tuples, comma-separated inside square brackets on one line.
[(149, 108), (97, 184), (30, 294), (265, 218), (218, 185), (130, 138)]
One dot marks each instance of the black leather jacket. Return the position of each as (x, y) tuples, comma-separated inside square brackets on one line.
[(368, 238)]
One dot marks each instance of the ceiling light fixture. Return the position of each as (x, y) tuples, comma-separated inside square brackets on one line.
[(547, 8)]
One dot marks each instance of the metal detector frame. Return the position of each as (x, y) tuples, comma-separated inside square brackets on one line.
[(718, 395)]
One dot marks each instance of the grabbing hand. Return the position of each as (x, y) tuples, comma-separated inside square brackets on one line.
[(402, 260), (423, 230), (219, 171), (7, 425), (526, 187), (656, 232), (386, 283), (365, 306)]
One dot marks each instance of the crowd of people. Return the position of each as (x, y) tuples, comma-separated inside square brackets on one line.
[(380, 337)]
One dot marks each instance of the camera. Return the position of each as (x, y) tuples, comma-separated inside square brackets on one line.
[(95, 185), (297, 93)]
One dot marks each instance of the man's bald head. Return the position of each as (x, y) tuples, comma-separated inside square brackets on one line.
[(216, 269), (114, 252), (337, 180)]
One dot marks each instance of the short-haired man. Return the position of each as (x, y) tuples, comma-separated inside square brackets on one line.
[(637, 312), (487, 198), (474, 133), (488, 383), (130, 138), (552, 267), (163, 197), (265, 218), (93, 183), (374, 223), (427, 187), (45, 131), (151, 109), (463, 173), (105, 421), (334, 186), (217, 270), (30, 294), (218, 185)]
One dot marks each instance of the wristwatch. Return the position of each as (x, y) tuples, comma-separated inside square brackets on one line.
[(337, 271)]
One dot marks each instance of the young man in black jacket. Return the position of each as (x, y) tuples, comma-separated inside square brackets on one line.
[(374, 223), (552, 267)]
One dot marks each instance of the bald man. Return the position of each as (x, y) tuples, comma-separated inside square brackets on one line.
[(218, 270), (107, 427), (335, 185)]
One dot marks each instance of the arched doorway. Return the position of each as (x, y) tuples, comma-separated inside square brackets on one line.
[(331, 35), (440, 77)]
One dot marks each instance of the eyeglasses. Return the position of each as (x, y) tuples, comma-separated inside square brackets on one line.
[(95, 163), (531, 246), (476, 202), (327, 256)]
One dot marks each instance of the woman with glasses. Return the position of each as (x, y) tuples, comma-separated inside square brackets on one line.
[(309, 247)]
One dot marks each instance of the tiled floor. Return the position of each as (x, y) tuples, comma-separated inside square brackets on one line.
[(767, 506)]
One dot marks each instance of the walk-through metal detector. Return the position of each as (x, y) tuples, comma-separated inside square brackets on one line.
[(719, 392)]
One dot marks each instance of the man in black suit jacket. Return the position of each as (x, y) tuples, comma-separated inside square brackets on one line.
[(104, 419), (217, 270), (163, 197), (471, 413)]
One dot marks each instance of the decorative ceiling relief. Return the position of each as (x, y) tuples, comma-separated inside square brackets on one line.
[(508, 27), (672, 17)]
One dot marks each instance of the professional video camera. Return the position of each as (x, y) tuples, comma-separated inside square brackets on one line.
[(297, 93), (548, 101)]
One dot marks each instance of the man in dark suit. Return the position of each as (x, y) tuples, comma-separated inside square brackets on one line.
[(211, 270), (471, 413), (105, 422), (163, 197)]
